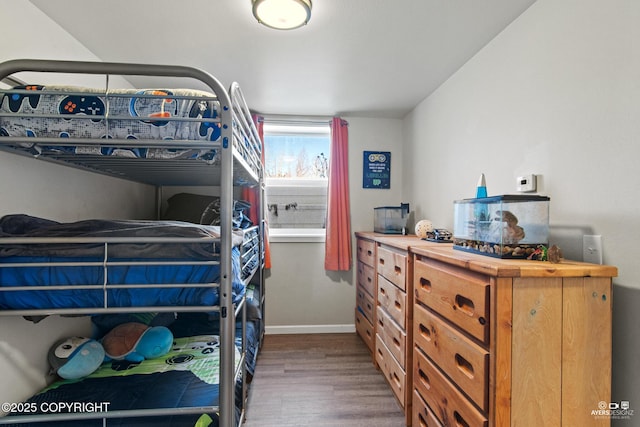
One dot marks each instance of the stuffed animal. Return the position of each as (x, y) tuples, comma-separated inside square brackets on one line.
[(75, 357), (136, 342)]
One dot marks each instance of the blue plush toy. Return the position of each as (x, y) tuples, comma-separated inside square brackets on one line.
[(75, 357), (136, 342)]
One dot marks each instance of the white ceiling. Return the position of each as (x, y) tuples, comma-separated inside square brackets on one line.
[(360, 57)]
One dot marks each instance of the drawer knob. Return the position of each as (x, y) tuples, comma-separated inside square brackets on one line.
[(425, 284), (424, 379), (459, 420), (396, 379), (464, 304), (425, 332), (482, 320), (464, 366)]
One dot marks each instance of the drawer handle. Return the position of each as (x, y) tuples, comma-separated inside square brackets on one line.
[(381, 261), (369, 253), (398, 270), (459, 420), (381, 322), (424, 379), (425, 284), (421, 421), (464, 304), (396, 342), (396, 379), (368, 332), (398, 305), (464, 366), (425, 332)]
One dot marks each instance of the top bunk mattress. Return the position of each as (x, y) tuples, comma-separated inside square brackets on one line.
[(69, 113)]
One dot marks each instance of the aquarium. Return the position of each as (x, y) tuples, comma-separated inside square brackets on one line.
[(391, 219), (508, 226)]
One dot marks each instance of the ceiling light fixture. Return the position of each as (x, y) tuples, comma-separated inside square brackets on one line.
[(282, 14)]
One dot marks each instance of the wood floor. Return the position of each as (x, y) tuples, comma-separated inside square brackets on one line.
[(319, 380)]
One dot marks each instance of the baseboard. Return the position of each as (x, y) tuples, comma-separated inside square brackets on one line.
[(309, 329)]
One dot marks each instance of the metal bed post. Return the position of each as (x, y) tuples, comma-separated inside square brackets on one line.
[(227, 311)]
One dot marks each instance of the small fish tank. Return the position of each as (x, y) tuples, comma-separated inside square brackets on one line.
[(508, 226), (390, 219)]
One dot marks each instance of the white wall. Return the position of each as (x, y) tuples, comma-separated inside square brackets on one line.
[(44, 189), (27, 33), (556, 94), (300, 294)]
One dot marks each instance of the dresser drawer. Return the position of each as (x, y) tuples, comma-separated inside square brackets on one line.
[(393, 300), (365, 329), (393, 336), (366, 304), (422, 415), (394, 374), (367, 277), (366, 251), (464, 361), (458, 295), (393, 266), (446, 401)]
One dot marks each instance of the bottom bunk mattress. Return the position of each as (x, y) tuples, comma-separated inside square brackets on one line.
[(186, 377), (191, 324), (138, 268)]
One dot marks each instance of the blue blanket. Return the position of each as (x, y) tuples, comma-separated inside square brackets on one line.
[(82, 265)]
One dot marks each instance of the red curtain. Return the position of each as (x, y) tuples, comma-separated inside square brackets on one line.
[(338, 231), (252, 195)]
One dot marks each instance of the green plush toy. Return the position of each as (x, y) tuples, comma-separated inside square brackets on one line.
[(136, 342)]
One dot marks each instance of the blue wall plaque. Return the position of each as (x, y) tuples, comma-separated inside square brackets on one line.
[(376, 170)]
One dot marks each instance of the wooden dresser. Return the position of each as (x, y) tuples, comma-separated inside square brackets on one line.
[(393, 350), (365, 291), (470, 340), (392, 324), (509, 343)]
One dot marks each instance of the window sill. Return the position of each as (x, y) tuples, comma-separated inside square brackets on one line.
[(296, 235)]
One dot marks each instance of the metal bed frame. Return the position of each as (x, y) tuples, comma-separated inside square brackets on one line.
[(239, 164)]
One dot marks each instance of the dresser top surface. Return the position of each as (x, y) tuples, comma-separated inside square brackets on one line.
[(488, 265)]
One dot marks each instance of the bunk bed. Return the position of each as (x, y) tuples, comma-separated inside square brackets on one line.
[(207, 275)]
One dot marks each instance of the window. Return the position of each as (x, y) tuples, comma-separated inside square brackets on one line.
[(296, 168)]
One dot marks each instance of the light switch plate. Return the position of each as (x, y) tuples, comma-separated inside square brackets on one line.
[(526, 183)]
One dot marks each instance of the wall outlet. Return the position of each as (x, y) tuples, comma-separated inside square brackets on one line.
[(526, 183), (592, 249)]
